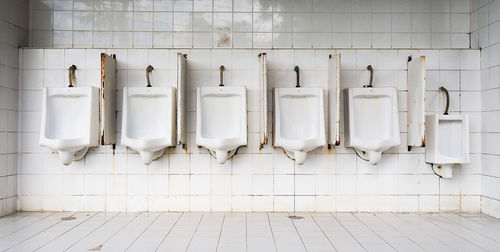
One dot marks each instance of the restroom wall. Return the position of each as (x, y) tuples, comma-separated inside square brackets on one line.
[(250, 23), (14, 33), (266, 180), (487, 33)]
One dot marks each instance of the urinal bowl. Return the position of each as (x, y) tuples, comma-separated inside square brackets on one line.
[(148, 120), (70, 121), (299, 123), (371, 121), (447, 142), (221, 122)]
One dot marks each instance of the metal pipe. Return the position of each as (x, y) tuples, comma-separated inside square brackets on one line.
[(370, 68), (149, 69), (447, 99), (296, 69), (221, 75), (71, 75)]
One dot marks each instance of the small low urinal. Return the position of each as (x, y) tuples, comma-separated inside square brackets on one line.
[(70, 121), (446, 141), (299, 121), (221, 120), (371, 121), (148, 120)]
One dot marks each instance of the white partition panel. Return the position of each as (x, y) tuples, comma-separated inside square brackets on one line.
[(108, 99), (181, 99), (334, 99), (263, 135), (416, 102)]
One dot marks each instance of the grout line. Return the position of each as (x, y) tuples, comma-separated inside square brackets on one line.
[(272, 233), (150, 224), (220, 232), (349, 232), (326, 236), (38, 220), (171, 228), (55, 238), (373, 231), (194, 232), (428, 218), (397, 230), (39, 232), (297, 231), (91, 232)]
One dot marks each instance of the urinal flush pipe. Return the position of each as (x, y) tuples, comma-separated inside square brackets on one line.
[(71, 75), (296, 69), (447, 99), (221, 75), (370, 68), (149, 69)]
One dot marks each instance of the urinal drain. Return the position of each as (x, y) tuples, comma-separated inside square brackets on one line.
[(295, 217)]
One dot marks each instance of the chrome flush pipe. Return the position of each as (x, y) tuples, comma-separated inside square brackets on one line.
[(447, 99), (149, 69), (370, 68), (71, 75), (296, 69), (221, 75)]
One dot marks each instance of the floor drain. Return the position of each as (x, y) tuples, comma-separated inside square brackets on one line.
[(68, 218), (295, 217)]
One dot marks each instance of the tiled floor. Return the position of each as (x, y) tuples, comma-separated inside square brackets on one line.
[(84, 231)]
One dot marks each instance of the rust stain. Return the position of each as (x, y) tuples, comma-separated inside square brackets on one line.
[(224, 38), (98, 248)]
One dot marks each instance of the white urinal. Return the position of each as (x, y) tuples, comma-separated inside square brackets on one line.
[(371, 121), (70, 121), (447, 141), (148, 120), (221, 120), (299, 121)]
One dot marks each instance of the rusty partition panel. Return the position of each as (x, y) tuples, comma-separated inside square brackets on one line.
[(334, 99), (108, 99), (263, 135), (416, 101), (181, 99)]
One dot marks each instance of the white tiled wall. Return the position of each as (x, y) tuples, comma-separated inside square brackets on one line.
[(13, 33), (250, 23), (486, 35), (253, 180)]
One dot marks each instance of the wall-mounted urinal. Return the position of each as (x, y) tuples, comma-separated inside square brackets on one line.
[(299, 120), (70, 120), (371, 120), (447, 141), (221, 119), (148, 120)]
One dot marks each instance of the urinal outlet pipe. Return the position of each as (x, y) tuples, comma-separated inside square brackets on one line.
[(221, 75), (71, 75), (296, 69), (447, 99), (370, 68), (149, 69)]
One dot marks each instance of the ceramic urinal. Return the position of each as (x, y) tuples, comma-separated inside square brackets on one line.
[(148, 120), (447, 141), (371, 121), (299, 121), (70, 121), (221, 120)]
